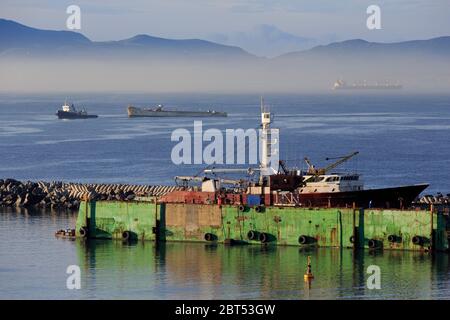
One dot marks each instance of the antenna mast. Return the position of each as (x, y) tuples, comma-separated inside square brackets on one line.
[(269, 144)]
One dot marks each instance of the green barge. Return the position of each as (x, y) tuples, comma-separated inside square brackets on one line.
[(316, 208), (376, 229)]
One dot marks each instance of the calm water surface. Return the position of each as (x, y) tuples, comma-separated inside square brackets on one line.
[(402, 139), (33, 264)]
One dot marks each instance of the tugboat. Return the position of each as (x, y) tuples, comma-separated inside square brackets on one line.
[(69, 112)]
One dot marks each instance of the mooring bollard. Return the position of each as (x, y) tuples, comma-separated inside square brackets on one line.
[(308, 275)]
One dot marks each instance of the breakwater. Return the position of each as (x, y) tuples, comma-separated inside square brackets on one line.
[(67, 195)]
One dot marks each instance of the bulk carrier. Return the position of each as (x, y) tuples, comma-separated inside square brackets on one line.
[(159, 111), (319, 207), (342, 85)]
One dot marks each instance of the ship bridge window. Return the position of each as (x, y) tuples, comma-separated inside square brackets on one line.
[(350, 178)]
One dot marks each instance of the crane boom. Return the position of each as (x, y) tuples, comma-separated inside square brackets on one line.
[(313, 171), (283, 167), (342, 160), (311, 168)]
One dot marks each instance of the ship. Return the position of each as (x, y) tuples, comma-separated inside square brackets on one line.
[(279, 185), (342, 85), (69, 112), (159, 111), (270, 203)]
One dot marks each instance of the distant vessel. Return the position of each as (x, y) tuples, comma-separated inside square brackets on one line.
[(160, 112), (342, 85), (69, 112)]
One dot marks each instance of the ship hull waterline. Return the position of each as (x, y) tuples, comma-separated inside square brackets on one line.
[(138, 113), (369, 88), (393, 197), (74, 115)]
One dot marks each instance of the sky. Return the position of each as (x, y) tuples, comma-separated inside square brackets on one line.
[(262, 27)]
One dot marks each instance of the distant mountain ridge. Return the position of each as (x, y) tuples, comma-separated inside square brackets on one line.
[(436, 46), (34, 58), (13, 34), (16, 39), (266, 40)]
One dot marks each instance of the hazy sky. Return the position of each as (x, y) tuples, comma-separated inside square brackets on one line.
[(262, 27), (321, 20)]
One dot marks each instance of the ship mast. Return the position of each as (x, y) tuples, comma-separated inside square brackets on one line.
[(269, 141), (268, 147)]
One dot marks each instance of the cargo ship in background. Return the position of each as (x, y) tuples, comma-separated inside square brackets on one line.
[(69, 112), (342, 85), (159, 111)]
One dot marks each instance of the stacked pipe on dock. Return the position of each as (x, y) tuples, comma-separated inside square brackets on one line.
[(66, 195)]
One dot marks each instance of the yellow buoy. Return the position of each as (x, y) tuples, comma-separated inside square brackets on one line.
[(308, 275)]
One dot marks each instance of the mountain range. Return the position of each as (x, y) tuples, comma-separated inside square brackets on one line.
[(266, 40), (32, 59), (17, 39)]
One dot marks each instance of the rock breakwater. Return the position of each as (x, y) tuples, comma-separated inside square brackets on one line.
[(67, 195)]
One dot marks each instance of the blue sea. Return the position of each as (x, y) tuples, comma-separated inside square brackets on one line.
[(402, 139)]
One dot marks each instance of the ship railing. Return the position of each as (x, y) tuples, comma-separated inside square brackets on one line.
[(286, 199)]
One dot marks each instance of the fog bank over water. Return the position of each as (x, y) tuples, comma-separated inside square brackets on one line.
[(283, 75), (63, 61)]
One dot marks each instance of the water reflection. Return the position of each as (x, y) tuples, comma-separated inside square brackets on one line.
[(31, 215), (199, 271), (33, 264)]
